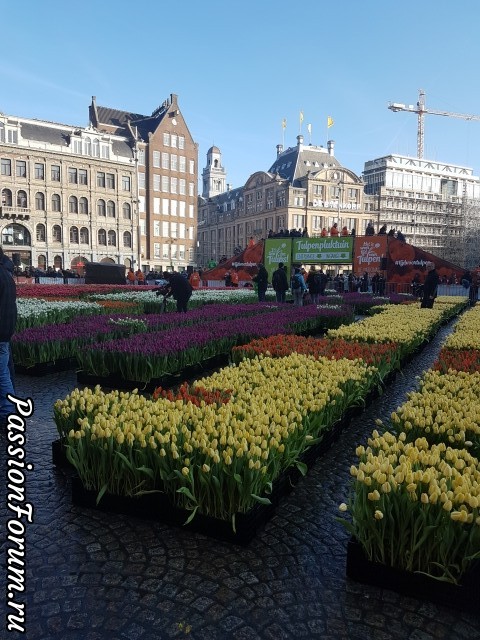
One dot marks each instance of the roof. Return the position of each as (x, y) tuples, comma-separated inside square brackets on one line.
[(120, 119), (294, 163), (52, 135), (214, 149)]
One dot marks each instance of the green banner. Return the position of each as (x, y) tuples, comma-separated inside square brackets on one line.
[(327, 250), (277, 250)]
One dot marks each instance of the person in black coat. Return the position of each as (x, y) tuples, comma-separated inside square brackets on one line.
[(262, 282), (280, 282), (8, 321), (179, 288), (430, 287)]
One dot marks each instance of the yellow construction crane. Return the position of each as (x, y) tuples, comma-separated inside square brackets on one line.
[(421, 110)]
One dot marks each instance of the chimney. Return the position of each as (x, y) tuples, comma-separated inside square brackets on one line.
[(330, 147), (229, 186), (300, 142), (279, 149)]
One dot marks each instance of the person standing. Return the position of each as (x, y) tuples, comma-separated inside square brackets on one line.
[(280, 282), (179, 288), (298, 287), (370, 230), (430, 287), (334, 230), (262, 281), (8, 321)]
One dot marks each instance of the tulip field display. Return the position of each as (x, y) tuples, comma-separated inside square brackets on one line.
[(218, 457), (35, 312), (461, 351)]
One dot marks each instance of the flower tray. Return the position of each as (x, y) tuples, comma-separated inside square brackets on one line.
[(465, 597), (187, 374), (46, 368), (156, 506)]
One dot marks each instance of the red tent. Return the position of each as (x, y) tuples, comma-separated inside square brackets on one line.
[(245, 262)]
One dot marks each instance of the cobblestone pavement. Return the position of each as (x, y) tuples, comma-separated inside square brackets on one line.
[(99, 576)]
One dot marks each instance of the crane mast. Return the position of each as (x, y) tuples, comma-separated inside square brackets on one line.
[(420, 109)]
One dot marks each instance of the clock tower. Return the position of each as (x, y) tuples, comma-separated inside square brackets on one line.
[(214, 175)]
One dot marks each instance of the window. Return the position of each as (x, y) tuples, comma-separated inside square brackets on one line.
[(22, 199), (127, 239), (56, 202), (41, 234), (12, 136), (165, 206), (102, 237), (143, 227), (101, 210), (74, 235), (55, 173), (182, 187), (166, 251), (182, 163), (173, 230), (127, 211), (56, 233), (156, 159), (73, 204), (83, 206), (112, 238), (156, 227), (166, 139), (84, 235), (165, 229), (156, 206), (173, 207), (181, 209), (126, 183), (6, 167), (190, 210), (105, 151), (173, 162), (181, 142), (111, 209), (165, 160), (173, 140), (156, 182), (191, 189), (82, 176), (191, 166), (181, 230), (6, 198), (96, 148), (39, 171), (72, 176), (141, 156), (88, 146), (39, 201), (2, 132), (21, 169), (173, 185), (110, 181), (101, 179), (156, 250), (165, 184)]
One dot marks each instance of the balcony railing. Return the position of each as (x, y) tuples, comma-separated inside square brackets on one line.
[(14, 213)]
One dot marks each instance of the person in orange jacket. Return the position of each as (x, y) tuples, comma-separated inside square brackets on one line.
[(334, 230), (131, 276), (324, 233), (194, 279), (140, 276), (345, 231)]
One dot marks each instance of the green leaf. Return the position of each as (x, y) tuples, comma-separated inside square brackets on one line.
[(191, 516), (260, 499), (147, 471), (302, 467), (101, 493), (186, 491), (237, 478)]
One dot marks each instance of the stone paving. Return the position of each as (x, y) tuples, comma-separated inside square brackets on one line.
[(99, 576)]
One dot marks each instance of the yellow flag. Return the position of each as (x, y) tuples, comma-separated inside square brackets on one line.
[(330, 122), (301, 117), (284, 124)]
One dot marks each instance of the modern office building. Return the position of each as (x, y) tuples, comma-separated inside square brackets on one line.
[(121, 190), (305, 187), (434, 204)]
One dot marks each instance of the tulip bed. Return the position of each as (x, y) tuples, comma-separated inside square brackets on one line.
[(218, 446), (416, 493)]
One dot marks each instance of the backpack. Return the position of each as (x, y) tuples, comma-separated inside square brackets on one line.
[(296, 283)]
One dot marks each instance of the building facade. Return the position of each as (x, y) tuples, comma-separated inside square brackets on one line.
[(305, 187), (122, 190), (434, 204), (166, 159)]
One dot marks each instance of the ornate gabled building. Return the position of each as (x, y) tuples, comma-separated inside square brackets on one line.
[(123, 190), (166, 160), (306, 186)]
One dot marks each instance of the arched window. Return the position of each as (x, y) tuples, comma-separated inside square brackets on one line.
[(111, 209), (39, 201), (83, 205), (42, 262), (73, 204), (16, 235), (22, 199), (56, 233), (74, 235), (127, 211), (127, 239), (56, 202), (6, 198), (102, 237), (96, 148), (57, 262), (41, 234), (84, 235), (112, 238), (88, 147), (101, 208)]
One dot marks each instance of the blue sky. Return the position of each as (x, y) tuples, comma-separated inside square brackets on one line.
[(240, 67)]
